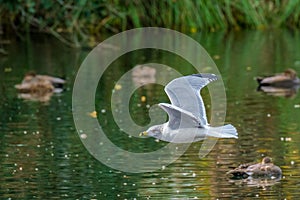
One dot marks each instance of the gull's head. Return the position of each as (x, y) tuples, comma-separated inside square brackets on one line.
[(153, 131)]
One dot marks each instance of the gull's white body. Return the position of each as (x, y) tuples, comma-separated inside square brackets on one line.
[(187, 115)]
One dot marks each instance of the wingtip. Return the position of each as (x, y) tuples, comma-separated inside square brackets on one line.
[(211, 77)]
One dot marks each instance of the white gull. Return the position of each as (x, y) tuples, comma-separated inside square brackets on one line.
[(187, 116)]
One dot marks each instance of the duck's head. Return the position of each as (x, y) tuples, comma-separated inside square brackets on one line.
[(290, 73), (29, 77), (266, 160)]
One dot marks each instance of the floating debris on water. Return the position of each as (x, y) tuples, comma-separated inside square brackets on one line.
[(83, 136), (93, 114), (118, 87), (292, 162), (7, 69), (287, 139), (216, 57), (193, 30), (143, 98)]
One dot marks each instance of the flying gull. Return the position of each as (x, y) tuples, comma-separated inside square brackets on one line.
[(187, 116)]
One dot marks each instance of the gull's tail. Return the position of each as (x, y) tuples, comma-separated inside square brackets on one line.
[(226, 131)]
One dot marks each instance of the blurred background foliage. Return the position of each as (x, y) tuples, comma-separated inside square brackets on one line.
[(75, 22)]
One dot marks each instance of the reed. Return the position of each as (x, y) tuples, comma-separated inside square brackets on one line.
[(75, 22)]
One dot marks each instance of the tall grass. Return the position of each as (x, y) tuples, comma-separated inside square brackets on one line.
[(75, 22)]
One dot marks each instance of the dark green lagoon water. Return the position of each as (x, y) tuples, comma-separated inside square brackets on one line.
[(42, 156)]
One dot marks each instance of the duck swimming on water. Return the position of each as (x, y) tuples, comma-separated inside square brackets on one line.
[(265, 169), (286, 79), (34, 83)]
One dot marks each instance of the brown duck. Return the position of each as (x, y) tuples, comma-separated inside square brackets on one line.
[(286, 79), (33, 83), (264, 169)]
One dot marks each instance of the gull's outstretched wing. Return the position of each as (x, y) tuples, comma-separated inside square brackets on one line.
[(184, 92), (179, 118)]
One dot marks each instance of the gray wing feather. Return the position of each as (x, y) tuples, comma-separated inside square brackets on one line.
[(184, 92), (179, 118)]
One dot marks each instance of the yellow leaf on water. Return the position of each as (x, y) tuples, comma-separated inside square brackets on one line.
[(193, 30), (7, 69), (216, 57), (143, 98), (118, 87), (93, 114)]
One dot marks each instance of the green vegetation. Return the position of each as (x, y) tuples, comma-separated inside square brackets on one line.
[(74, 22)]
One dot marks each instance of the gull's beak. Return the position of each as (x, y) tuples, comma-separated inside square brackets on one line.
[(145, 133)]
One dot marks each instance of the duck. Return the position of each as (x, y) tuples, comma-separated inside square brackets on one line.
[(265, 169), (41, 84), (286, 79), (143, 74)]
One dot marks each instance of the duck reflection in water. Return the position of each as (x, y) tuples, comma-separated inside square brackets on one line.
[(285, 84), (39, 87), (256, 182)]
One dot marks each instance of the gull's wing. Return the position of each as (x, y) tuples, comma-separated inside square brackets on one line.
[(184, 92), (179, 118)]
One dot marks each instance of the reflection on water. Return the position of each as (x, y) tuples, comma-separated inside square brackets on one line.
[(289, 92), (143, 74), (256, 182), (42, 156)]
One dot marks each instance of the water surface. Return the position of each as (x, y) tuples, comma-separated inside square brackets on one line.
[(42, 155)]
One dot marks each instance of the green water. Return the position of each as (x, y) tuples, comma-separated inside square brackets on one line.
[(43, 157)]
